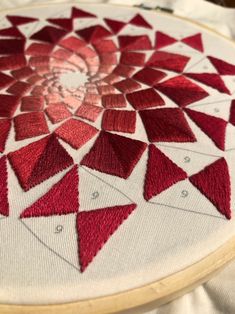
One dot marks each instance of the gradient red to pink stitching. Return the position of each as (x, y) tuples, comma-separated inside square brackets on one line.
[(132, 82)]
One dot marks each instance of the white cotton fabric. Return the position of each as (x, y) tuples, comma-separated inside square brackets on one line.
[(218, 295)]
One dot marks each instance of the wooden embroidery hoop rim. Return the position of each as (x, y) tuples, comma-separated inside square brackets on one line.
[(156, 293)]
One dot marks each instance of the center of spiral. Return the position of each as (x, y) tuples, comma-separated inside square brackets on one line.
[(73, 79)]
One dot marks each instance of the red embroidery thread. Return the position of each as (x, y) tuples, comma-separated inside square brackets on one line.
[(114, 154), (161, 173), (61, 199), (214, 182), (39, 161), (96, 227), (214, 127), (119, 121), (166, 125), (4, 205)]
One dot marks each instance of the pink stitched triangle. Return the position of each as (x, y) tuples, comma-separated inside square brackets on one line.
[(4, 206), (116, 26), (138, 20), (5, 125), (214, 182), (161, 173), (163, 40), (38, 161), (114, 154), (11, 32), (214, 127), (223, 67), (138, 42), (93, 33), (78, 13), (95, 228), (211, 79), (64, 23), (194, 41), (20, 20), (61, 199)]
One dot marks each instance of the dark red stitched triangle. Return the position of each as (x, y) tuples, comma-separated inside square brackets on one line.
[(166, 125), (5, 80), (64, 23), (96, 227), (181, 90), (114, 154), (138, 42), (49, 34), (5, 125), (4, 205), (194, 41), (12, 46), (214, 182), (168, 61), (115, 26), (163, 40), (80, 13), (20, 20), (93, 33), (39, 161), (214, 127), (8, 105), (138, 20), (223, 67), (61, 199), (161, 173), (211, 79), (232, 113), (11, 32)]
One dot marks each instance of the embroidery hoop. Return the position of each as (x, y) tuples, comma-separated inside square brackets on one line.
[(156, 293)]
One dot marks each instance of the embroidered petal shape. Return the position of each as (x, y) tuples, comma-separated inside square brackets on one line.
[(137, 42), (214, 182), (166, 125), (95, 228), (161, 173), (138, 20), (29, 125), (93, 33), (223, 67), (39, 161), (145, 98), (194, 41), (211, 79), (181, 90), (61, 199), (163, 40), (114, 154), (116, 26), (78, 13), (49, 34), (76, 133), (62, 22), (168, 61), (20, 20), (214, 127), (119, 121)]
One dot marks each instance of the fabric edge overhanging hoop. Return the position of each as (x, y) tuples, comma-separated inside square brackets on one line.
[(83, 302)]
